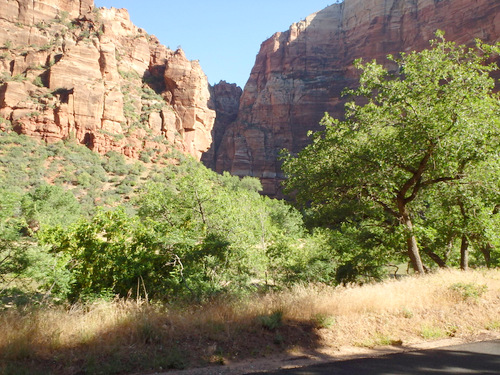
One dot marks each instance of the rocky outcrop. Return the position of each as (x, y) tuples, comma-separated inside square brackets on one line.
[(299, 74), (69, 70)]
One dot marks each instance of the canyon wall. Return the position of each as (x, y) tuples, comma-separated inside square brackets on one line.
[(299, 74), (70, 70)]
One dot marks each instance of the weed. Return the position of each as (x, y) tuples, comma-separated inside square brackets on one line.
[(129, 75), (8, 45), (19, 78), (469, 291), (62, 17), (33, 114), (430, 332), (493, 326), (85, 34), (45, 47), (38, 82), (271, 321), (168, 337), (148, 332), (279, 339), (145, 156), (51, 63), (175, 360), (451, 330), (6, 122), (322, 320), (380, 339), (407, 313), (41, 25)]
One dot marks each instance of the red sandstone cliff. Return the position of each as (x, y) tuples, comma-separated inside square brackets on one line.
[(68, 69), (299, 74), (225, 101)]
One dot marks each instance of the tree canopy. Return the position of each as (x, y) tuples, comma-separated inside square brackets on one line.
[(417, 141)]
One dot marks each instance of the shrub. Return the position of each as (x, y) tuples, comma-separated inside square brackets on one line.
[(322, 320), (271, 321), (468, 291), (38, 82), (8, 45)]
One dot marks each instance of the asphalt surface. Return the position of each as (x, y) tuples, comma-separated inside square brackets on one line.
[(475, 358)]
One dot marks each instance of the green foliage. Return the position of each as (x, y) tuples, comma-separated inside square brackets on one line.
[(469, 291), (105, 254), (13, 253), (84, 34), (24, 266), (196, 234), (49, 205), (38, 81), (46, 47), (421, 135), (324, 320), (430, 332), (149, 94), (8, 45), (41, 25), (129, 75), (81, 226), (272, 321), (115, 163), (62, 17)]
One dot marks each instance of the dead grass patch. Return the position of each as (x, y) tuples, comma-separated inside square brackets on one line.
[(127, 336)]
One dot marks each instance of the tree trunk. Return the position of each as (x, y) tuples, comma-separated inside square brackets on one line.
[(436, 258), (486, 250), (411, 241), (464, 253)]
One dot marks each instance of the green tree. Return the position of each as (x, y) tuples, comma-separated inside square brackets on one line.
[(112, 253), (13, 249), (49, 205), (430, 122), (469, 222)]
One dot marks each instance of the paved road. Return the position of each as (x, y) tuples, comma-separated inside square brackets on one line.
[(476, 358)]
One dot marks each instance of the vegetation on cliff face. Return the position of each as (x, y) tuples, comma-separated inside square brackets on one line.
[(415, 165)]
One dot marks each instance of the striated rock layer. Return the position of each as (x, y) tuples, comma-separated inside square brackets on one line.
[(69, 70), (300, 74)]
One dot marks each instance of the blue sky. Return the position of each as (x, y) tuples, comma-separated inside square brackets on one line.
[(225, 35)]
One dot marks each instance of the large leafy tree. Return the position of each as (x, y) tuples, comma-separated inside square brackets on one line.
[(429, 122)]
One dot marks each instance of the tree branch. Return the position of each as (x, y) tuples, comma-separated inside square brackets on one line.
[(386, 208), (441, 179), (414, 181)]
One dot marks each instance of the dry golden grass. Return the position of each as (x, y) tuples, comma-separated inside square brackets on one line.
[(126, 336)]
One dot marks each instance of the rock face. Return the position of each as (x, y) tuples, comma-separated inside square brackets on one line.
[(226, 101), (299, 74), (69, 70)]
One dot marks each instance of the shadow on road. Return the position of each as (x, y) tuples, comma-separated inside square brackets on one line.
[(479, 358)]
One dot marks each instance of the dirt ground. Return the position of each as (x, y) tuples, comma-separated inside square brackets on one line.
[(325, 354)]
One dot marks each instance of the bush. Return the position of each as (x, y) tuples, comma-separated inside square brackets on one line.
[(271, 321), (468, 291)]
